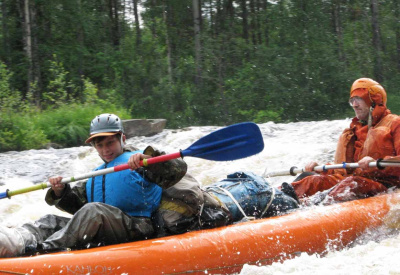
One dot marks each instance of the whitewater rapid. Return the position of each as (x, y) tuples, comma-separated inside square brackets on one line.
[(286, 145)]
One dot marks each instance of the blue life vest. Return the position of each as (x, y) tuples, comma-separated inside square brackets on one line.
[(126, 189)]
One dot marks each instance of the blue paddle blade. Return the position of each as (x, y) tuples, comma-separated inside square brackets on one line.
[(230, 143)]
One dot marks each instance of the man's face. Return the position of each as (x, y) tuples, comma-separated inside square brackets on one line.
[(360, 108), (109, 148)]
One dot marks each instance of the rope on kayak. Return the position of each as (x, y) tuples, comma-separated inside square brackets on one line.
[(235, 201), (269, 203), (201, 211)]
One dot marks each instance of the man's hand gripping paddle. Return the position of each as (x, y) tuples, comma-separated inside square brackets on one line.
[(293, 171)]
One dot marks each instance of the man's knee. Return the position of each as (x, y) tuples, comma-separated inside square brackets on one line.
[(97, 211), (90, 209)]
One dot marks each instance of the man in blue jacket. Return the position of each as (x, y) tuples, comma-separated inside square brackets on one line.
[(106, 209)]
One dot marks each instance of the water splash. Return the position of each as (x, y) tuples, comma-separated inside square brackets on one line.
[(286, 145)]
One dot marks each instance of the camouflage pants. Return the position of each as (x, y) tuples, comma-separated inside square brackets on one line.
[(93, 225)]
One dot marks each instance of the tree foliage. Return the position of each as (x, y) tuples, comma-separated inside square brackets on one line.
[(198, 62)]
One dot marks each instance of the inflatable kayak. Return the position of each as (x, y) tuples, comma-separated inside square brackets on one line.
[(221, 250)]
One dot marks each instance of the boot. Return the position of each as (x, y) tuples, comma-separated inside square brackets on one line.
[(289, 190)]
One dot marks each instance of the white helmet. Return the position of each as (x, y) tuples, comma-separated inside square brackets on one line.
[(105, 125)]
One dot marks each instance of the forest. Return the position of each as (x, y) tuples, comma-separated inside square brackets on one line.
[(199, 62)]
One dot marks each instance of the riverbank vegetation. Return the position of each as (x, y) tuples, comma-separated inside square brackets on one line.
[(202, 62), (62, 121)]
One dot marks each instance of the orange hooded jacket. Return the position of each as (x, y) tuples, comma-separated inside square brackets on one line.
[(381, 141)]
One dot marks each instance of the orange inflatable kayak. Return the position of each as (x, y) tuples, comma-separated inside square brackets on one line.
[(221, 250)]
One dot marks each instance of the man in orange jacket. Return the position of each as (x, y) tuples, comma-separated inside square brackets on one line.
[(373, 134)]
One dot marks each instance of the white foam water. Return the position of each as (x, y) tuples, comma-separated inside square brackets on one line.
[(286, 145)]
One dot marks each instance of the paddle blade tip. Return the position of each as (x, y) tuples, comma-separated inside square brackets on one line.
[(233, 142)]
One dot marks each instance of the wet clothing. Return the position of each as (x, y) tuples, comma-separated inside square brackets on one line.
[(381, 141), (98, 219), (93, 225), (241, 196), (186, 207)]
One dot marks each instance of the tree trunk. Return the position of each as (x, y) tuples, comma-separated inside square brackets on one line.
[(197, 47), (167, 41), (253, 23), (137, 23), (81, 40), (114, 22), (35, 55), (245, 24), (258, 23), (218, 15), (337, 26), (27, 38), (27, 11), (5, 32), (211, 16), (151, 4), (265, 6), (376, 41), (230, 9)]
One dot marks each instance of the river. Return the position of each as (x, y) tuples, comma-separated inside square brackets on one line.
[(286, 145)]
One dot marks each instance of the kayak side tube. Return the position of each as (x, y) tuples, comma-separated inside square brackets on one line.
[(221, 250)]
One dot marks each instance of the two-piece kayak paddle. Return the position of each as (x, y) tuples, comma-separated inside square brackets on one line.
[(230, 143), (293, 171)]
